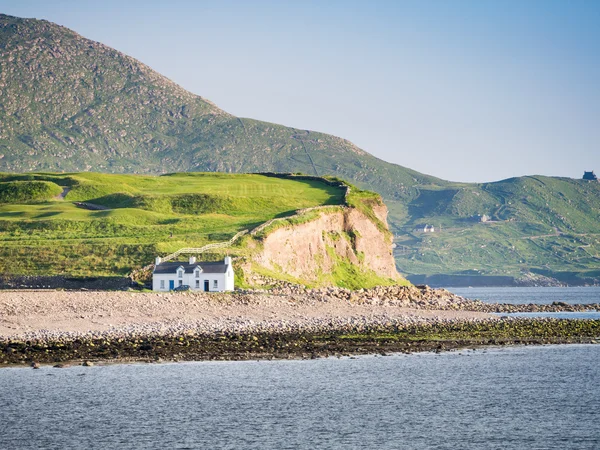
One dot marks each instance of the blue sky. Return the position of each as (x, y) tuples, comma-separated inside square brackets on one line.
[(465, 90)]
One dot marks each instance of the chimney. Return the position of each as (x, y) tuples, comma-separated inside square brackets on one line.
[(227, 260), (192, 260), (158, 260)]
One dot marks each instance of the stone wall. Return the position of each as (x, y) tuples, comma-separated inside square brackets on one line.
[(62, 282)]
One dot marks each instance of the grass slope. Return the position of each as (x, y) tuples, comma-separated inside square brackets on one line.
[(58, 237), (28, 191), (544, 225)]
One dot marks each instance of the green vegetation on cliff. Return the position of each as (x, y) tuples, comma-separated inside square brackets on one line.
[(136, 217), (28, 191), (106, 225)]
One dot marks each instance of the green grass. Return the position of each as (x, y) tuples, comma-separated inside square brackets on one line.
[(148, 215), (538, 224), (27, 191), (354, 276)]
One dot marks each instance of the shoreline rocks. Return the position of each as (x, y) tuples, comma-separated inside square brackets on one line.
[(290, 321), (357, 340)]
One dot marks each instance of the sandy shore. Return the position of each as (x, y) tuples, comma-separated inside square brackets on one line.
[(52, 314)]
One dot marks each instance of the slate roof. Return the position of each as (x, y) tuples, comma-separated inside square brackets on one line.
[(207, 267)]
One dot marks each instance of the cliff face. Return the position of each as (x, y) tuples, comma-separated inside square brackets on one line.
[(341, 246)]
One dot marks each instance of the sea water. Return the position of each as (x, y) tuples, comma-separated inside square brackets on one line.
[(539, 295), (524, 295), (539, 397), (543, 397)]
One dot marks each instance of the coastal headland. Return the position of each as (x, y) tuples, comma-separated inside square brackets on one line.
[(60, 327)]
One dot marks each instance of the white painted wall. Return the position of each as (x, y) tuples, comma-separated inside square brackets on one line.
[(224, 281)]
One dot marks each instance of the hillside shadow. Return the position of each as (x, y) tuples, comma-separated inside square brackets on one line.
[(169, 221), (12, 214), (47, 214), (431, 203)]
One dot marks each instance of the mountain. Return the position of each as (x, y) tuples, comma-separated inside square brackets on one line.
[(72, 104)]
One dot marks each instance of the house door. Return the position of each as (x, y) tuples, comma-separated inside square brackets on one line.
[(171, 285), (206, 286)]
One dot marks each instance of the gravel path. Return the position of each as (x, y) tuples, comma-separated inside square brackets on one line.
[(64, 314)]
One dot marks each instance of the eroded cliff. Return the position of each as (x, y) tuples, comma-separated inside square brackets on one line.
[(340, 246)]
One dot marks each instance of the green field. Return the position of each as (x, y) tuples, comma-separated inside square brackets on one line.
[(144, 216)]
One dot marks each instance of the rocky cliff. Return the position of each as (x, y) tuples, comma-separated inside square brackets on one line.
[(341, 246)]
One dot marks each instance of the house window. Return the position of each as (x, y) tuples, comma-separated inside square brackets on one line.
[(197, 284), (197, 274), (180, 273), (180, 282), (215, 284), (162, 284)]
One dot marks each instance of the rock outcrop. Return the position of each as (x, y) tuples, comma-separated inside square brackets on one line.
[(337, 242)]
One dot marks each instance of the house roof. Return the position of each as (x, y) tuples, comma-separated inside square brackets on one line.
[(207, 267)]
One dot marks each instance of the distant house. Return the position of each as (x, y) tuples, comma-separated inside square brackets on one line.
[(590, 176), (199, 276)]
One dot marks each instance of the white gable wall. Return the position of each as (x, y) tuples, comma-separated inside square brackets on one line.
[(228, 278)]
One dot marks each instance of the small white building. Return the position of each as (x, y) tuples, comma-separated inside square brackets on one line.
[(199, 276)]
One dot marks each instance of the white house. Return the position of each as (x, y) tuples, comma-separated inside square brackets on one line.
[(199, 276)]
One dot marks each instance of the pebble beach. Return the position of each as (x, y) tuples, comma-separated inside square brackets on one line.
[(46, 314), (52, 326)]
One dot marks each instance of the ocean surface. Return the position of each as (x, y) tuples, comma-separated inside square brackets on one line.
[(543, 397), (524, 295), (540, 295)]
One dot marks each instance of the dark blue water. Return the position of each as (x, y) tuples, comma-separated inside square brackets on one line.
[(511, 398)]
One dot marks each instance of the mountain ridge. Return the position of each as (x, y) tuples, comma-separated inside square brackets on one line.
[(118, 110)]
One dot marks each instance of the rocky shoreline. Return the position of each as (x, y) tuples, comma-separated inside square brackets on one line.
[(337, 342), (52, 327), (427, 298)]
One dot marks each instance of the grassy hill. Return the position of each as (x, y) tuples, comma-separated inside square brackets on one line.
[(541, 225), (71, 104), (144, 216)]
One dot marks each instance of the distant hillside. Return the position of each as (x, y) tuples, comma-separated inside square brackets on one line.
[(71, 104), (514, 228)]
